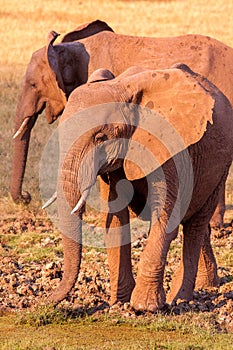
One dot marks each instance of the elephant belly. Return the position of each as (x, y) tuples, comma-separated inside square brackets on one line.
[(139, 204), (209, 168)]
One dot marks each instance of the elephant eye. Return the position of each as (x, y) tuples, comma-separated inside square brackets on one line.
[(100, 137), (33, 85)]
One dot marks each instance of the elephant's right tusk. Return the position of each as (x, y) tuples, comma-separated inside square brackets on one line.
[(50, 200), (22, 127), (81, 201)]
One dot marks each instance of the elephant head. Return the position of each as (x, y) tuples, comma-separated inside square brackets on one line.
[(52, 74), (116, 134)]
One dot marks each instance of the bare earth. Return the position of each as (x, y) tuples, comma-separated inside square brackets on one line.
[(27, 282)]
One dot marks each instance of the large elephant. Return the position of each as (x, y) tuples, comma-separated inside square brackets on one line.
[(55, 70), (166, 161)]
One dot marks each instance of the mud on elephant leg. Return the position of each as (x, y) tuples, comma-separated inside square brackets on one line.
[(117, 240)]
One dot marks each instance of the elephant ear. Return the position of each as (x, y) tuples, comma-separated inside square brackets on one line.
[(86, 30), (53, 59), (174, 113), (100, 75), (57, 100)]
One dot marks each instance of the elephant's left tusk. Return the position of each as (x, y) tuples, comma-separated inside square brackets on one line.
[(21, 128), (81, 201), (50, 200)]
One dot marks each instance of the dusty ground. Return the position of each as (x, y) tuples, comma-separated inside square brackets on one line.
[(27, 282)]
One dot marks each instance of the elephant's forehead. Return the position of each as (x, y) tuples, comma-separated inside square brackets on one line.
[(90, 120), (37, 60), (94, 116)]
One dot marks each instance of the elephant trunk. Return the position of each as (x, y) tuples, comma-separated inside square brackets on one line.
[(21, 144), (70, 227), (72, 260), (69, 190)]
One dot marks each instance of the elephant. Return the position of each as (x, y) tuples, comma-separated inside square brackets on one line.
[(55, 71), (161, 143)]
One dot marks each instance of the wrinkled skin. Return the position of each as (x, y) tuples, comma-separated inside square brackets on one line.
[(69, 64), (204, 127)]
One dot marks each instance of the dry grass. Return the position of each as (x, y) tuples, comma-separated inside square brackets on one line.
[(24, 25)]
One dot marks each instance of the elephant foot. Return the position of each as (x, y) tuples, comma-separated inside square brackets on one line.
[(178, 289), (183, 293), (60, 293), (207, 268), (24, 198), (216, 224), (123, 294), (147, 297), (206, 279), (217, 221)]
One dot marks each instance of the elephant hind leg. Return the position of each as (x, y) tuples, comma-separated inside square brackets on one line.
[(217, 219), (184, 278), (207, 266), (196, 244)]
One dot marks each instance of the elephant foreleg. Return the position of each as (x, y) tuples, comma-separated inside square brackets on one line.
[(149, 293), (117, 239), (121, 277)]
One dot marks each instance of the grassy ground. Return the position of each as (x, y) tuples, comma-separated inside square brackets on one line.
[(92, 333), (24, 27)]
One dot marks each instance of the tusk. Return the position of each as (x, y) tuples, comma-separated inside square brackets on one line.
[(81, 201), (50, 200), (21, 128)]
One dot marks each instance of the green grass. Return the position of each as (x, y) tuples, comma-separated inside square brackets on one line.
[(26, 246), (48, 328)]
